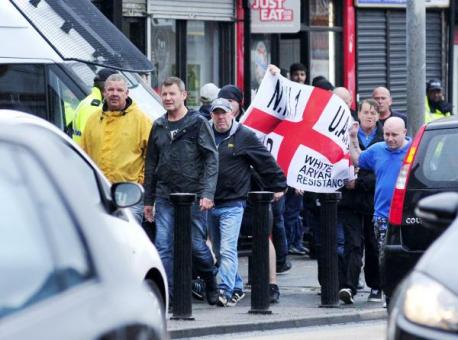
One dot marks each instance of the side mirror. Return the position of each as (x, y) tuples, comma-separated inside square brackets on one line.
[(437, 212), (126, 194)]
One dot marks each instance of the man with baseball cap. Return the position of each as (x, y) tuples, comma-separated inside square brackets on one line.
[(435, 105), (91, 103), (239, 149)]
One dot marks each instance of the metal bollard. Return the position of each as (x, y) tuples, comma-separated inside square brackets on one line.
[(260, 301), (182, 256), (328, 261)]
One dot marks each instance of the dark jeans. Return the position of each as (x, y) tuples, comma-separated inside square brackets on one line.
[(278, 232), (165, 222), (353, 249), (293, 223), (371, 260)]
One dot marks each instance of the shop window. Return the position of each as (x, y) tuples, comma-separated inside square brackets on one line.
[(318, 44), (290, 51), (260, 59), (163, 50), (202, 57), (322, 13), (322, 55)]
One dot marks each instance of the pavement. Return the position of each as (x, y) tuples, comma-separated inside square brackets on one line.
[(299, 306)]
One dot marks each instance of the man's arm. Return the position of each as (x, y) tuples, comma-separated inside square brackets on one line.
[(355, 150), (265, 165), (208, 149)]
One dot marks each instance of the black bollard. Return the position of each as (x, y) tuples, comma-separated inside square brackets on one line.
[(182, 256), (260, 301), (327, 260)]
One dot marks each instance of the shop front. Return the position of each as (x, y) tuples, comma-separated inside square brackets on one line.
[(193, 40), (293, 31)]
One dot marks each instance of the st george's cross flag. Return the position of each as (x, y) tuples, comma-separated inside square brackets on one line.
[(306, 130)]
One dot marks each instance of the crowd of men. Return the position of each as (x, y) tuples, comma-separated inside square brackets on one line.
[(209, 153)]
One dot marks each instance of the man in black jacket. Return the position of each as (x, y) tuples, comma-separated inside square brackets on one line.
[(181, 157), (239, 149)]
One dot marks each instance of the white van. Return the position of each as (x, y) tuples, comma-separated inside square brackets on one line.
[(50, 51)]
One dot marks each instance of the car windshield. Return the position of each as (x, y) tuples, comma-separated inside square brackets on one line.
[(139, 90)]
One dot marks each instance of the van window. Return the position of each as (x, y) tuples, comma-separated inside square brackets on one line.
[(22, 87), (63, 102)]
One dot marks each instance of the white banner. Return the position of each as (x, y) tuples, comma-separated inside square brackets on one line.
[(306, 130)]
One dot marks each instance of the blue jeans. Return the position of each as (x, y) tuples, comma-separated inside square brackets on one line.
[(165, 224), (293, 223), (224, 223)]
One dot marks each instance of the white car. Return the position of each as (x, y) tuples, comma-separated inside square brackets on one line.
[(70, 251)]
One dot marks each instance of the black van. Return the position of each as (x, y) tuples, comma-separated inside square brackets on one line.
[(430, 167)]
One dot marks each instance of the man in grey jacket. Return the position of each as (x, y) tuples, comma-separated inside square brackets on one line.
[(181, 157)]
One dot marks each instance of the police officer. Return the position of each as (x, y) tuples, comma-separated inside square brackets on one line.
[(90, 104), (435, 105)]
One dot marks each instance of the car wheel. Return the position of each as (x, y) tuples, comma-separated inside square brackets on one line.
[(154, 290)]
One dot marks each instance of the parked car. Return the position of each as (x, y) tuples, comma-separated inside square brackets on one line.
[(430, 167), (425, 305), (48, 182)]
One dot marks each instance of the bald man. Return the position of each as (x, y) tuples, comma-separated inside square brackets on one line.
[(385, 160), (383, 98), (346, 96)]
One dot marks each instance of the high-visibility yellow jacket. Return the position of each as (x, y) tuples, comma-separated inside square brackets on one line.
[(117, 142), (86, 107), (430, 116)]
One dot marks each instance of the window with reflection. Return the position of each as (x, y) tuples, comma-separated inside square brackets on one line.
[(322, 13), (203, 50), (163, 50), (260, 59), (22, 87)]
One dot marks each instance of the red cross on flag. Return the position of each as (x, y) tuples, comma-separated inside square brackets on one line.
[(306, 130)]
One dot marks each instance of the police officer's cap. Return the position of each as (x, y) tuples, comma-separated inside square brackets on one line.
[(434, 84), (103, 74)]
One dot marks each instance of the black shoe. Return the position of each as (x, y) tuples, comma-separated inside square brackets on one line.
[(295, 251), (375, 295), (274, 293), (198, 289), (284, 268), (211, 289), (346, 296)]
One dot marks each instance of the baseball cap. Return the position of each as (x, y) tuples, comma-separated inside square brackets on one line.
[(221, 103), (231, 92), (208, 92), (434, 84), (104, 73)]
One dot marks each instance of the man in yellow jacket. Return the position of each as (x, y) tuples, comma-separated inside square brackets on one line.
[(116, 136), (90, 104), (435, 105)]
